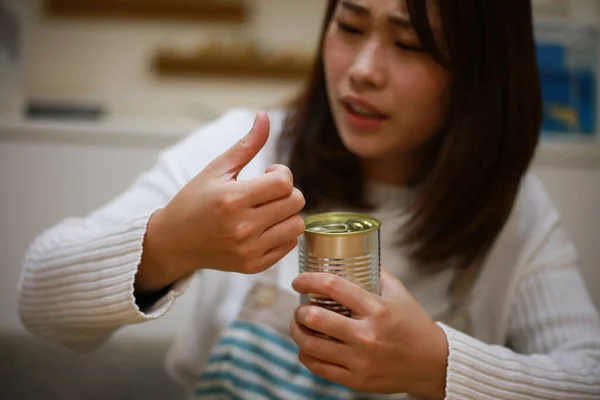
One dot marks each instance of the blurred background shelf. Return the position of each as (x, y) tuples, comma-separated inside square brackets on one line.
[(239, 61), (234, 11)]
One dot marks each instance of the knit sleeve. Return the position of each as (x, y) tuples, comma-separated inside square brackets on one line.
[(77, 281), (553, 340), (76, 286)]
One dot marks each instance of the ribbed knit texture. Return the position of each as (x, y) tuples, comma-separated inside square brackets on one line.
[(555, 346), (77, 288), (82, 281), (77, 282)]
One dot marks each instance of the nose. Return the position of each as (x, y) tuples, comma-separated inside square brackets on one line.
[(366, 71)]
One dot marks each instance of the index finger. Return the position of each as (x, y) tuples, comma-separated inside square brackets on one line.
[(271, 186), (281, 168), (356, 299)]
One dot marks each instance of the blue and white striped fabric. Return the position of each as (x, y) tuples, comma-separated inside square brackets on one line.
[(252, 361)]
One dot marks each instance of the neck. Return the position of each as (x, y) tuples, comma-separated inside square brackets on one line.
[(407, 169)]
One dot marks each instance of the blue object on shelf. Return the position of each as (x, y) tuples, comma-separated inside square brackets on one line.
[(551, 56), (569, 95)]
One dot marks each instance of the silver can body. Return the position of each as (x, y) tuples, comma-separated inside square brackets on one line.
[(345, 244)]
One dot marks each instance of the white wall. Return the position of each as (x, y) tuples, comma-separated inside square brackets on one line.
[(110, 61)]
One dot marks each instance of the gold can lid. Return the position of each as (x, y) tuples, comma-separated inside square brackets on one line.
[(341, 223)]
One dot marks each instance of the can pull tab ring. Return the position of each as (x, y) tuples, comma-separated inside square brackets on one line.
[(337, 228), (340, 227), (330, 228)]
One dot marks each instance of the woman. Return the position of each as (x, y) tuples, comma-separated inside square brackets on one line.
[(425, 114)]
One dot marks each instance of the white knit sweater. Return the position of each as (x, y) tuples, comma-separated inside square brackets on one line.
[(529, 330)]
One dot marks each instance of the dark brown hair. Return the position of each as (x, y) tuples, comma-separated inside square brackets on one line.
[(487, 145)]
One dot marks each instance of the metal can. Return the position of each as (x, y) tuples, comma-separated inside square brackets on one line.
[(345, 244)]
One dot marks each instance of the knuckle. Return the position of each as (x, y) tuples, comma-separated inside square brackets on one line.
[(331, 283), (285, 169), (379, 310), (299, 226), (283, 183), (368, 342), (290, 177), (242, 231), (298, 198), (243, 148), (313, 317), (228, 204)]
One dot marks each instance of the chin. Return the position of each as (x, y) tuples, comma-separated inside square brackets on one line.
[(364, 147)]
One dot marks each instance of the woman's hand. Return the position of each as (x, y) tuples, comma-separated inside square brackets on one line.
[(217, 222), (390, 345)]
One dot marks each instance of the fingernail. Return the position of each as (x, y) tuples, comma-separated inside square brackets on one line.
[(249, 134), (256, 119)]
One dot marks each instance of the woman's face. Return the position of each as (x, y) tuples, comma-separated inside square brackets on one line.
[(388, 98)]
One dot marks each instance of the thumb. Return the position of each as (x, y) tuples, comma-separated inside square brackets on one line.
[(230, 163), (390, 286)]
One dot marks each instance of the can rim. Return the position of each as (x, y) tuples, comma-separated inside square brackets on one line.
[(313, 218)]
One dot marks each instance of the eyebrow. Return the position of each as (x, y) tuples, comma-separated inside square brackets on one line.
[(401, 22)]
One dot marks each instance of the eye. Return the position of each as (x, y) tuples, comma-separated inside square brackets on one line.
[(407, 47), (349, 29)]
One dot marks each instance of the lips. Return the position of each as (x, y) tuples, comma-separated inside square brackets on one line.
[(362, 108), (362, 116)]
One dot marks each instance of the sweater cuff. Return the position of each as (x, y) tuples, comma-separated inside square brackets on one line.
[(161, 305), (473, 370), (94, 286)]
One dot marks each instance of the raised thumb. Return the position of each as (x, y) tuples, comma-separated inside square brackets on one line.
[(230, 163), (390, 286)]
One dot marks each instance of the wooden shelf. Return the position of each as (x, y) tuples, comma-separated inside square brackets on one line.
[(180, 10), (235, 65)]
